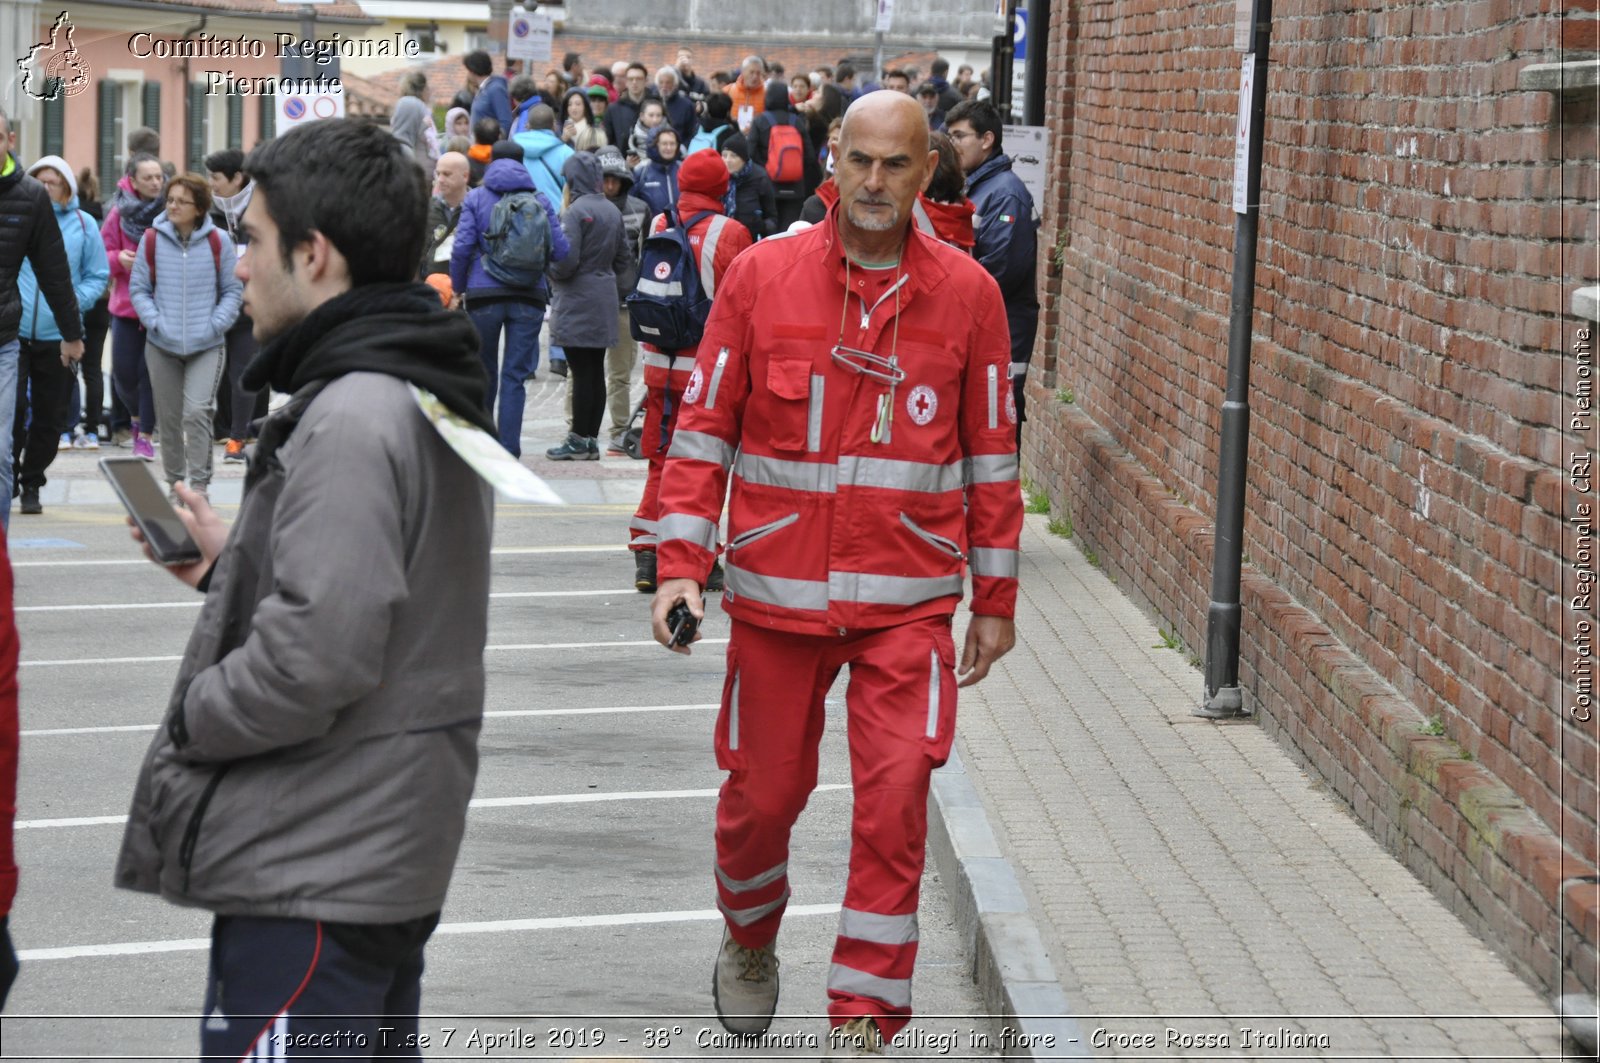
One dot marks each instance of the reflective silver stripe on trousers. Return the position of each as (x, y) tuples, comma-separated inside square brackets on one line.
[(814, 416), (895, 992), (733, 714), (889, 590), (640, 524), (878, 929), (686, 527), (780, 472), (933, 693), (776, 590), (993, 561), (1019, 370), (664, 289), (994, 396), (708, 255), (899, 475), (991, 468), (766, 878), (746, 916), (701, 447)]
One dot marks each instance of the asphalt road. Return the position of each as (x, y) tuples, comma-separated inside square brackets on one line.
[(582, 909)]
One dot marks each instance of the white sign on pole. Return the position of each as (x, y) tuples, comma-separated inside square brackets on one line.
[(1241, 140), (530, 36), (885, 16), (297, 107), (1029, 149)]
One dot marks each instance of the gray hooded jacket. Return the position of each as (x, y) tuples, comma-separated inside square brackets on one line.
[(587, 281)]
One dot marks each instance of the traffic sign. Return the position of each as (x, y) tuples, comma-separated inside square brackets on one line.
[(308, 107), (1020, 35), (530, 36)]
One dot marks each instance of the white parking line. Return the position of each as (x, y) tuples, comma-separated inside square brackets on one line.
[(199, 601), (498, 926), (68, 662), (55, 732), (482, 802), (609, 548)]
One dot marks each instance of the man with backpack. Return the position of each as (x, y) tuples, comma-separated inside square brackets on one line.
[(683, 261), (781, 145), (506, 238)]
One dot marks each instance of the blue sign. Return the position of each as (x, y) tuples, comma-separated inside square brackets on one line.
[(520, 27), (294, 108), (1020, 35)]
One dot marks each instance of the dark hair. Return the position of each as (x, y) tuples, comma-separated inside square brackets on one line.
[(228, 162), (981, 116), (144, 139), (486, 130), (719, 106), (927, 88), (522, 88), (88, 185), (138, 159), (844, 72), (566, 101), (478, 62), (898, 73), (569, 59), (939, 67), (948, 184), (775, 69), (826, 72), (355, 184), (636, 65), (199, 188)]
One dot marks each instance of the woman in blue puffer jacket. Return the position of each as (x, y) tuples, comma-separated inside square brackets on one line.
[(656, 179), (186, 295)]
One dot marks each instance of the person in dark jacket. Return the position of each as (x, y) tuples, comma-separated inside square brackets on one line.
[(584, 321), (655, 180), (82, 423), (623, 114), (749, 198), (30, 232), (680, 108), (790, 195), (928, 96), (231, 189), (492, 97), (492, 305), (618, 184), (1007, 233)]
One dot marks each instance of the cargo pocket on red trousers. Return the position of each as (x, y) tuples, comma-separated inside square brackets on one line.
[(729, 756), (940, 731)]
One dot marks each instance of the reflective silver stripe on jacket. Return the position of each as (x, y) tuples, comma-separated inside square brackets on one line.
[(994, 396), (776, 590), (662, 360), (746, 885), (716, 379), (895, 992), (993, 561), (685, 527), (991, 468), (878, 929), (792, 475), (708, 254), (877, 589), (700, 446), (814, 415), (662, 289), (919, 217), (747, 916), (852, 471), (1019, 370)]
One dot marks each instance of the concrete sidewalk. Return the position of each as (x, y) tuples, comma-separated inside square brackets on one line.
[(1197, 893)]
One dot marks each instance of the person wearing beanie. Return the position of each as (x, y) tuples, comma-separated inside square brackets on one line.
[(599, 103), (668, 375), (750, 199), (791, 195), (44, 375)]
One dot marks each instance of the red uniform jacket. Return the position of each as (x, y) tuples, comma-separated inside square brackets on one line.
[(828, 527)]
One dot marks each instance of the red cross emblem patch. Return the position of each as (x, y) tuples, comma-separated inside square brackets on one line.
[(922, 404)]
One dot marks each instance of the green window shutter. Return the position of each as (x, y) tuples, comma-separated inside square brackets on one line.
[(53, 124), (109, 132), (235, 121), (150, 105), (267, 116), (197, 126)]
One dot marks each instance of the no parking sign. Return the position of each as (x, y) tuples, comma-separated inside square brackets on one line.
[(295, 108), (530, 36)]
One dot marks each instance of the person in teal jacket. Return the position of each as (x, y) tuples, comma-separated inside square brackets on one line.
[(43, 402)]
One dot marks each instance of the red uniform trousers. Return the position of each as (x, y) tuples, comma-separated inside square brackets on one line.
[(659, 424), (901, 705)]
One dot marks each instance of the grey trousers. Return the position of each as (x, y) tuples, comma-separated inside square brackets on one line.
[(185, 394)]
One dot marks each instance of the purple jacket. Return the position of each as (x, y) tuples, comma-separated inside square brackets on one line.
[(467, 274)]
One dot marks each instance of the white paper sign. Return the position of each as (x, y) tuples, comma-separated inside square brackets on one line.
[(1241, 140), (530, 35), (1029, 149), (512, 479), (885, 16), (295, 108)]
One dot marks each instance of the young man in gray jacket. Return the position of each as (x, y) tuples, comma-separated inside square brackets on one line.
[(309, 784)]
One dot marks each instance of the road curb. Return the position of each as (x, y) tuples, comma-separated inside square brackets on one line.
[(1010, 964)]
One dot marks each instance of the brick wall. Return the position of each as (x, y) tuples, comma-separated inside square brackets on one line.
[(1423, 223)]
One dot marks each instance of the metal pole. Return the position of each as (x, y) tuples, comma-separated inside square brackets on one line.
[(1000, 69), (877, 57), (1223, 697), (1038, 45)]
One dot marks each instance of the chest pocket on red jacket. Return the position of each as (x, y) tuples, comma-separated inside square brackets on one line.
[(794, 415)]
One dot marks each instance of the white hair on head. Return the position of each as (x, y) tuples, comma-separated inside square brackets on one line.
[(667, 72)]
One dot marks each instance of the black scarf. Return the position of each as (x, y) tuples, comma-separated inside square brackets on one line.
[(136, 214), (398, 329)]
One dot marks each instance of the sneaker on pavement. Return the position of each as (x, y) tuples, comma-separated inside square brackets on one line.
[(30, 500), (574, 448), (858, 1038), (66, 441), (233, 453), (142, 447), (614, 447), (644, 571), (744, 986), (87, 441)]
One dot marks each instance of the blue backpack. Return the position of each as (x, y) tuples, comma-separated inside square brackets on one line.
[(672, 297)]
